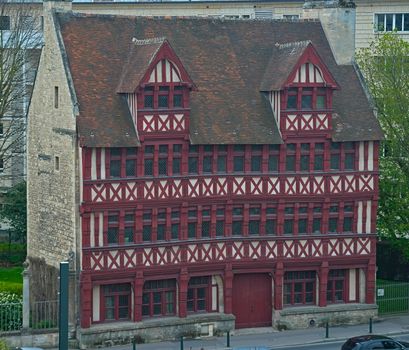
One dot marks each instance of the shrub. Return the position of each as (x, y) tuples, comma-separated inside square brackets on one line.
[(11, 312), (3, 345)]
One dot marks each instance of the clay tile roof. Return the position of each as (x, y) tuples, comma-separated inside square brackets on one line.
[(284, 58), (227, 61), (141, 54)]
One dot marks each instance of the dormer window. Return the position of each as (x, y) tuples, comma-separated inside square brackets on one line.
[(307, 98), (163, 96)]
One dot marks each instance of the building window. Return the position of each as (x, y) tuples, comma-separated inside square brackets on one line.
[(57, 163), (129, 228), (292, 96), (254, 220), (316, 219), (299, 288), (305, 157), (319, 157), (207, 159), (306, 98), (161, 225), (302, 219), (205, 222), (348, 217), (256, 157), (238, 158), (198, 293), (148, 160), (271, 220), (336, 286), (192, 223), (193, 159), (177, 159), (159, 298), (349, 154), (333, 218), (220, 222), (163, 97), (290, 157), (237, 223), (4, 22), (147, 225), (148, 97), (113, 228), (163, 160), (388, 22), (221, 158), (130, 162), (321, 102), (335, 159), (175, 224), (116, 305), (178, 97), (273, 156), (288, 220), (115, 162)]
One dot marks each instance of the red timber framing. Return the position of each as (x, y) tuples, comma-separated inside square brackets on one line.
[(182, 225)]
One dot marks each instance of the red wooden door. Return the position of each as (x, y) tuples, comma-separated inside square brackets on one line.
[(252, 304)]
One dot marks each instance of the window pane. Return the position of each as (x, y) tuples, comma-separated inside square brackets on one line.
[(115, 168), (149, 149), (163, 166), (112, 236), (221, 164), (254, 227), (349, 161), (177, 148), (191, 230), (237, 228), (406, 22), (380, 22), (348, 224), (292, 102), (192, 163), (306, 102), (389, 22), (256, 163), (334, 162), (176, 166), (163, 101), (302, 226), (207, 164), (128, 235), (318, 162), (290, 163), (130, 167), (238, 163), (219, 228), (333, 225), (161, 232), (148, 167), (316, 225), (177, 101), (147, 233), (174, 231), (398, 22), (270, 227), (273, 163), (288, 226), (206, 229), (305, 163), (148, 101), (321, 102)]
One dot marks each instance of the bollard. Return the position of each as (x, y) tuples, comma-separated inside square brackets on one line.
[(326, 330), (181, 342), (228, 339), (370, 325), (133, 344)]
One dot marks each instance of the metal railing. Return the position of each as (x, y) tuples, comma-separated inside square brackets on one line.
[(44, 314), (392, 297), (11, 316)]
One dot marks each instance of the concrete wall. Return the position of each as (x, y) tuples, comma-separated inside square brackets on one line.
[(365, 11)]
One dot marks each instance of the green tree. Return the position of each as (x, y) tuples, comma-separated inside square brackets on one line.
[(14, 211), (385, 67)]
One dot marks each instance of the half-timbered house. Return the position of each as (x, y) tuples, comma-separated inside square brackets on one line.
[(205, 174)]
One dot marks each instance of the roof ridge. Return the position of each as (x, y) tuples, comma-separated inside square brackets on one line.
[(150, 41), (303, 43)]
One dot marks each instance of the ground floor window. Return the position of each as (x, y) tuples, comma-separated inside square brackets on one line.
[(198, 294), (116, 302), (159, 298), (336, 286), (299, 287)]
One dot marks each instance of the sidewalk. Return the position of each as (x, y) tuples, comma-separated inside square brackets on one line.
[(267, 338)]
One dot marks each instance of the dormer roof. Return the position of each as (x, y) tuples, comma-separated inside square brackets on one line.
[(286, 60), (142, 56)]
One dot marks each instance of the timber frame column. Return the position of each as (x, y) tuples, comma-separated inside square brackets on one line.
[(86, 297), (370, 282), (183, 281), (323, 281), (138, 291), (278, 286), (228, 289)]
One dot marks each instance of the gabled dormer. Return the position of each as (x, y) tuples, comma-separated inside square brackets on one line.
[(298, 81), (157, 87)]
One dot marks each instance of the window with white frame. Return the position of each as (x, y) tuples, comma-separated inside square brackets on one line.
[(388, 22)]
